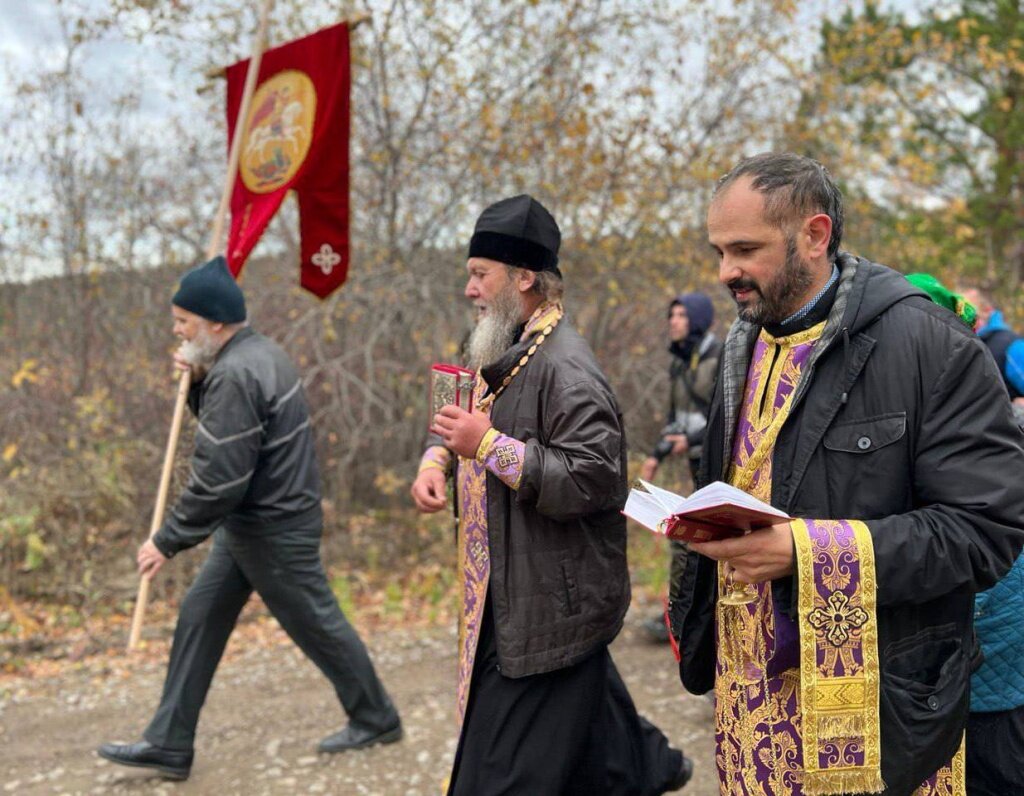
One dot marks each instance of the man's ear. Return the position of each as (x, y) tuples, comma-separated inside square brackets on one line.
[(525, 279), (817, 233)]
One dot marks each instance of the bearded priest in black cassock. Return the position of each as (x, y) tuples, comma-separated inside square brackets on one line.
[(540, 470)]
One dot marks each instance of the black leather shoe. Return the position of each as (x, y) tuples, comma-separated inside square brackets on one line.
[(684, 776), (354, 737), (172, 763)]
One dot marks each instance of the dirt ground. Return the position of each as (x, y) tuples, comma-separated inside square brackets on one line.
[(268, 708)]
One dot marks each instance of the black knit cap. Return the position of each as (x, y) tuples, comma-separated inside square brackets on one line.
[(210, 291), (518, 231)]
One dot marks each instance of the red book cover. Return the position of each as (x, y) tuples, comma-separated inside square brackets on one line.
[(716, 522), (718, 511)]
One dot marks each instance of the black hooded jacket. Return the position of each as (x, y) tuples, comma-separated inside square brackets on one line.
[(900, 420)]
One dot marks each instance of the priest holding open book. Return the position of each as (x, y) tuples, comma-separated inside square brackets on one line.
[(839, 643)]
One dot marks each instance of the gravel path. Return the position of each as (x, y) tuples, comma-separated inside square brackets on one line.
[(268, 708)]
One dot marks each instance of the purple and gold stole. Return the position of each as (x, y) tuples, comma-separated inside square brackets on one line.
[(840, 672), (797, 704), (473, 551), (474, 562), (839, 668), (756, 685)]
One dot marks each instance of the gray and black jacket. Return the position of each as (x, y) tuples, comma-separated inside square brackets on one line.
[(254, 469), (691, 382)]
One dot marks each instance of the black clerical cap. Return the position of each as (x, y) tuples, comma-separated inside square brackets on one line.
[(518, 231)]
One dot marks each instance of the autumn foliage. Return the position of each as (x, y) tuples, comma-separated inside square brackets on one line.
[(618, 115)]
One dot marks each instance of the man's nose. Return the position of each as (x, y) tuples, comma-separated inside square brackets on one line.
[(471, 290), (727, 271)]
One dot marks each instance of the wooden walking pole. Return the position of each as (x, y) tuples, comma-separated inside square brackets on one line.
[(161, 503), (251, 77)]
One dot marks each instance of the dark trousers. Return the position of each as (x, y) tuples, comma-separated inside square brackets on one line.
[(574, 731), (286, 571), (995, 753)]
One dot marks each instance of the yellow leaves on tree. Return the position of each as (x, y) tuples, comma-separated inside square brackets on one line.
[(928, 106), (27, 372)]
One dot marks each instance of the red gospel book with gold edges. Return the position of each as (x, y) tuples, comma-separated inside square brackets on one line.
[(718, 511)]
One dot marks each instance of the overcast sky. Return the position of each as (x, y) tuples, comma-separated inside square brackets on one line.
[(30, 38), (29, 33), (31, 42)]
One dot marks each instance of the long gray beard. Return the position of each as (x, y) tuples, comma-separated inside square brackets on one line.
[(492, 336), (200, 351)]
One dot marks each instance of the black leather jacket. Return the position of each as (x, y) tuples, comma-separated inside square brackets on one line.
[(559, 585), (254, 467)]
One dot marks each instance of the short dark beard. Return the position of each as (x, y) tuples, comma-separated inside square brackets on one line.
[(778, 297), (492, 336)]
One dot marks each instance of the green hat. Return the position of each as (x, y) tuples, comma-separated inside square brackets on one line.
[(945, 297)]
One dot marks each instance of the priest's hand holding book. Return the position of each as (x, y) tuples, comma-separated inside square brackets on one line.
[(459, 424), (460, 430), (461, 433), (752, 538), (460, 427), (762, 555)]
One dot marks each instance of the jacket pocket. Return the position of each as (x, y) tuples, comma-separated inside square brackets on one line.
[(858, 460), (571, 590), (868, 434), (924, 703)]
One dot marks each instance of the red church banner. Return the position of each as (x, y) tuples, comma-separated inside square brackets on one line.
[(296, 139)]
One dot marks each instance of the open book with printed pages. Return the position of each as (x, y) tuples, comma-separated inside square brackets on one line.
[(717, 511)]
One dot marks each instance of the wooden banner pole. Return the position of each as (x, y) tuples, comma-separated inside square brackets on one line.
[(161, 504), (353, 22), (214, 246)]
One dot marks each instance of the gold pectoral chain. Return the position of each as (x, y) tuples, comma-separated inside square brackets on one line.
[(487, 400)]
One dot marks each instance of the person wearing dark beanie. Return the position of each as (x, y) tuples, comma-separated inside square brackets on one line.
[(700, 314), (255, 487), (210, 291), (520, 232)]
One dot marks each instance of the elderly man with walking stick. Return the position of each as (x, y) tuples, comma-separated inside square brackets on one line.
[(254, 485)]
